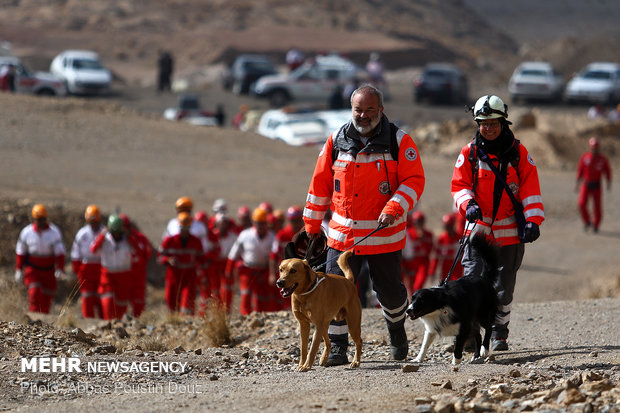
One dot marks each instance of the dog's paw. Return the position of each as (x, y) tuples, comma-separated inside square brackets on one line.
[(477, 360), (418, 359), (354, 365), (456, 361), (484, 352), (303, 368)]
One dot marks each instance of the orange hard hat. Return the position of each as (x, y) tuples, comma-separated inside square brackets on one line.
[(39, 211), (593, 142), (184, 204), (259, 215), (185, 219), (92, 214)]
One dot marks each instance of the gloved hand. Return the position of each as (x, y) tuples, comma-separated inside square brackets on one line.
[(58, 274), (473, 211), (19, 276), (532, 232)]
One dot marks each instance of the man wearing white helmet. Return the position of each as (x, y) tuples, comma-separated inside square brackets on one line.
[(495, 185)]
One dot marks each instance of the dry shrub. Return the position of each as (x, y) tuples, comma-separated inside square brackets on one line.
[(66, 317), (152, 343), (215, 324), (15, 303)]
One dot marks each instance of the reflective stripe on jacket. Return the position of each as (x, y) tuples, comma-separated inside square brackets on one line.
[(523, 182), (357, 187)]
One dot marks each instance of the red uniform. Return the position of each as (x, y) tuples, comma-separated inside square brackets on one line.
[(116, 275), (250, 253), (444, 253), (417, 266), (86, 266), (139, 262), (283, 237), (182, 259), (217, 269), (590, 171), (39, 252)]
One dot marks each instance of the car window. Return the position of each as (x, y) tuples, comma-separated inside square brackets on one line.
[(259, 66), (332, 74), (436, 74), (533, 72), (313, 73), (86, 64), (597, 75), (189, 104)]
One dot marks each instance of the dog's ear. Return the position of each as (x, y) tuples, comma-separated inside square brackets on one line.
[(306, 264)]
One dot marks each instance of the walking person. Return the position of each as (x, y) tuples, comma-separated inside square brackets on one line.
[(249, 258), (590, 171), (445, 249), (181, 254), (495, 185), (86, 264), (369, 173), (116, 246), (39, 260), (417, 266)]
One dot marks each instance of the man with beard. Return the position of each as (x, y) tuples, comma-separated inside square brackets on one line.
[(369, 174), (487, 168)]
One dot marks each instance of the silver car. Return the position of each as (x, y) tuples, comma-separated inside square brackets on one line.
[(535, 81), (598, 82)]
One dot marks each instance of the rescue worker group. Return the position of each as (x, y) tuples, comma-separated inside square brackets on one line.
[(204, 257)]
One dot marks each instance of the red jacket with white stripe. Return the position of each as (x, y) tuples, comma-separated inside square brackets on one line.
[(523, 180), (360, 184)]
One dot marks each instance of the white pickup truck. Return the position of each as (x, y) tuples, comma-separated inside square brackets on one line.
[(36, 83)]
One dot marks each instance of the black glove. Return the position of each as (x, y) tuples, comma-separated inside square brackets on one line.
[(532, 232), (473, 212)]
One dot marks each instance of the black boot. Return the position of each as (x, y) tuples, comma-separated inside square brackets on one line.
[(399, 347), (337, 356)]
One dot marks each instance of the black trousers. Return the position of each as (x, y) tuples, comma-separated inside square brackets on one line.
[(508, 263), (386, 282)]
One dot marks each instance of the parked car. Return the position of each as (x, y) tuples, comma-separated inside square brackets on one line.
[(537, 81), (598, 82), (441, 83), (300, 127), (82, 71), (190, 110), (36, 83), (245, 71), (312, 82)]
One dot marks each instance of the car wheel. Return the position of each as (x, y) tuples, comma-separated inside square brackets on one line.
[(46, 92), (278, 98)]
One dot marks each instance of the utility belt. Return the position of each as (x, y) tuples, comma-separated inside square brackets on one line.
[(593, 185)]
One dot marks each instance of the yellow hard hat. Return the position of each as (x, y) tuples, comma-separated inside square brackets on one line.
[(92, 214), (39, 211), (259, 215), (184, 204)]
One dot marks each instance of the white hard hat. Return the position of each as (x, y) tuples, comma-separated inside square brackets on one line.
[(490, 107), (220, 205)]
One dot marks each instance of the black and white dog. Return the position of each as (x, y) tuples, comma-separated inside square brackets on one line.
[(459, 308)]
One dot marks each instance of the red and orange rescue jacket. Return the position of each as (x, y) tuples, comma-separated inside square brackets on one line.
[(359, 183)]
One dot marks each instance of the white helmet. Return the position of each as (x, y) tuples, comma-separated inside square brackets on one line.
[(490, 107), (220, 205)]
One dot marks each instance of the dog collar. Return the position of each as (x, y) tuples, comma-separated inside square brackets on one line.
[(316, 284)]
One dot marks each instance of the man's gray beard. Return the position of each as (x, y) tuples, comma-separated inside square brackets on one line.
[(364, 130)]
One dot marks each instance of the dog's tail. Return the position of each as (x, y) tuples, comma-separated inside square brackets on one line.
[(343, 263), (489, 252)]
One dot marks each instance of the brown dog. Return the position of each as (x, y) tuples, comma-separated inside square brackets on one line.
[(319, 298)]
